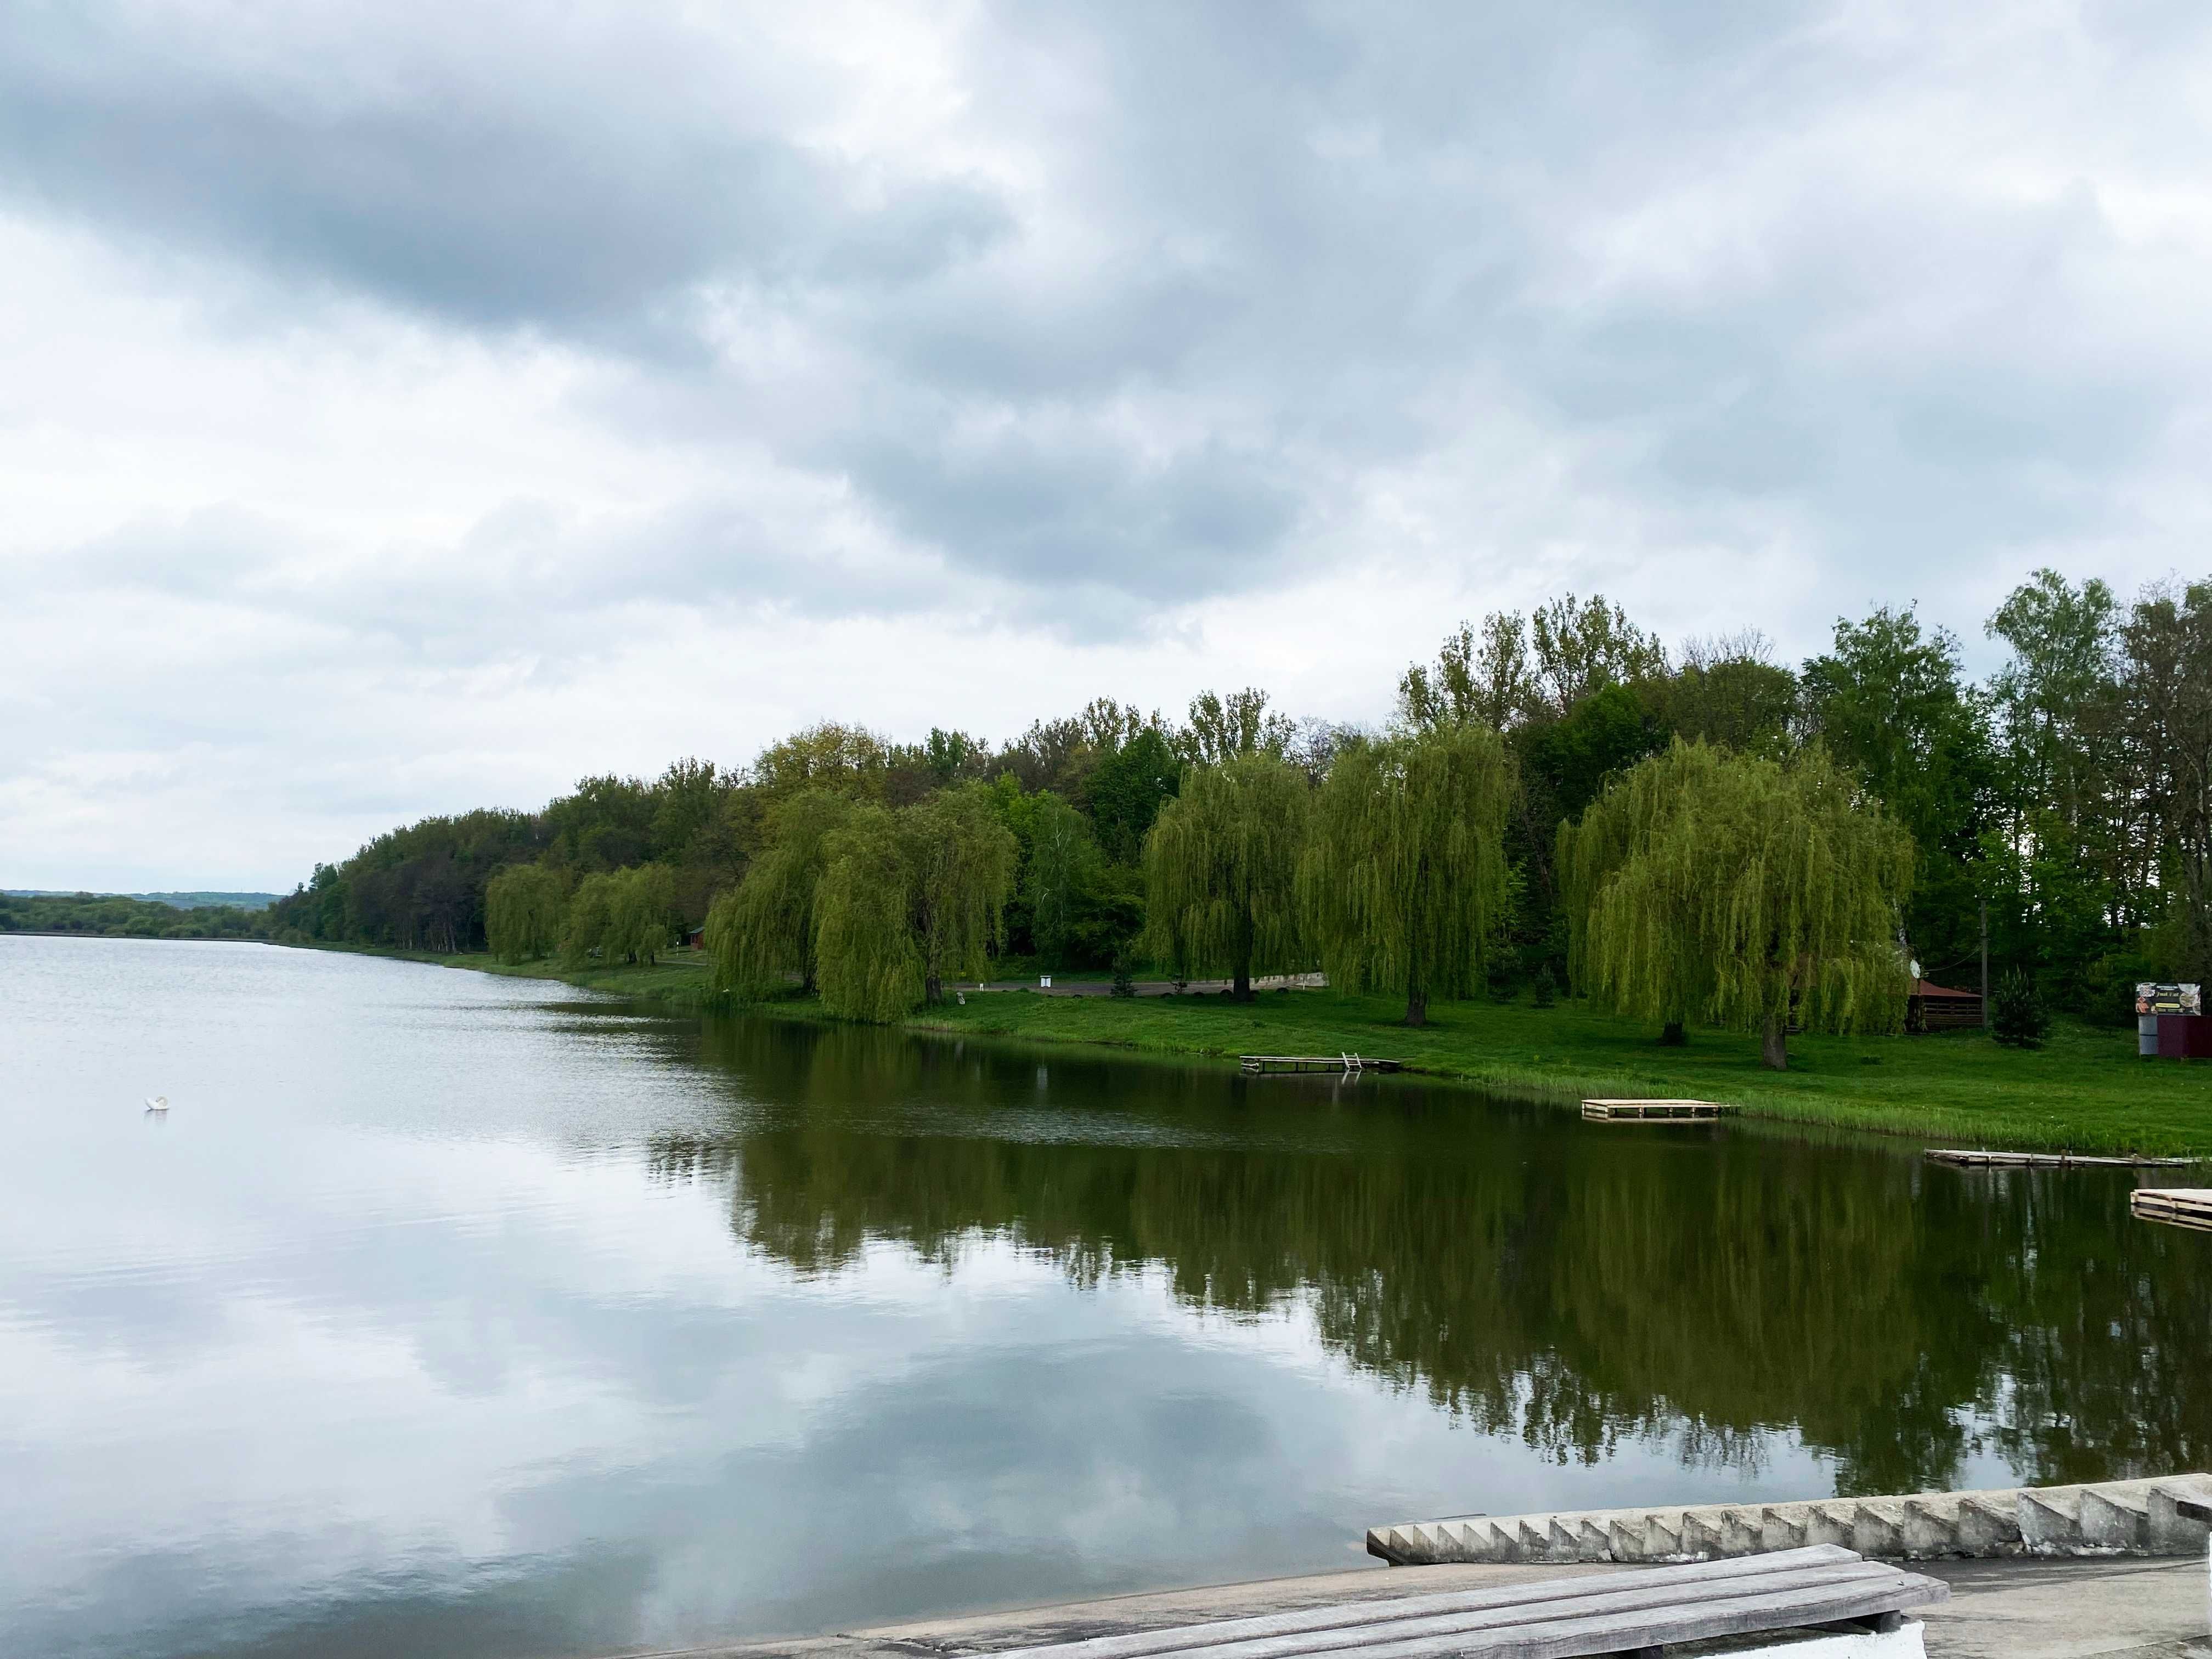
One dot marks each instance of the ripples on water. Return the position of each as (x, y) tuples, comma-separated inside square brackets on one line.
[(452, 1315)]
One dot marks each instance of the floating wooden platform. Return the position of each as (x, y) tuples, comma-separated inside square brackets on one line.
[(1962, 1159), (2181, 1206), (1261, 1065), (1654, 1111)]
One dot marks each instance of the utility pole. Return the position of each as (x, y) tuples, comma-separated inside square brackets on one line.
[(1985, 964)]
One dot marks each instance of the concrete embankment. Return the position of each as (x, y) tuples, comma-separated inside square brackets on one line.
[(2114, 1517)]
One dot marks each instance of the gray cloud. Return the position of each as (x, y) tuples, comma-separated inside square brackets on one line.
[(1104, 328)]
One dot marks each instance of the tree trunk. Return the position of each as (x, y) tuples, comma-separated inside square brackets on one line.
[(933, 987), (1672, 1036), (1417, 1005), (1243, 982), (1773, 1047)]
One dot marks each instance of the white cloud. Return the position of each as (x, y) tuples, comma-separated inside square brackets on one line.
[(400, 411)]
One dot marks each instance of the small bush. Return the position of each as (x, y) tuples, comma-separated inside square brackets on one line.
[(1546, 989), (2017, 1016), (1124, 974)]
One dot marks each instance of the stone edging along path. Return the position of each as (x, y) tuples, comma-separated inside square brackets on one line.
[(2113, 1517)]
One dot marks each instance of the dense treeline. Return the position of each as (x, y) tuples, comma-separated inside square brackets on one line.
[(114, 916), (1840, 818)]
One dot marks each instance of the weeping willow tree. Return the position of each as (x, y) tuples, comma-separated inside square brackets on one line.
[(524, 907), (909, 899), (866, 961), (640, 903), (765, 928), (1742, 891), (1406, 878), (1221, 869), (589, 913), (964, 860)]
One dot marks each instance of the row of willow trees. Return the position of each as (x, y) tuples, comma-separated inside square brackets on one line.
[(1704, 885), (2064, 805)]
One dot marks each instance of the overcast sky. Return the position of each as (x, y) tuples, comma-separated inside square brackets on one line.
[(408, 406)]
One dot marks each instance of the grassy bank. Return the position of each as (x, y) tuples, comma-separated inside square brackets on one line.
[(2085, 1091)]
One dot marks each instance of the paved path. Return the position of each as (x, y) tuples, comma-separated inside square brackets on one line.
[(1998, 1610), (1146, 987)]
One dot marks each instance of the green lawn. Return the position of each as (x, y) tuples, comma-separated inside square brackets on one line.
[(2085, 1091)]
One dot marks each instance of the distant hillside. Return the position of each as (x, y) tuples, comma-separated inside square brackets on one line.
[(134, 915), (174, 900)]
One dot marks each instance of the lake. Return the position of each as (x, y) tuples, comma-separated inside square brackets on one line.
[(451, 1314)]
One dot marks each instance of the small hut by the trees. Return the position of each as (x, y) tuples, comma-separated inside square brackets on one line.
[(1405, 876), (1740, 892)]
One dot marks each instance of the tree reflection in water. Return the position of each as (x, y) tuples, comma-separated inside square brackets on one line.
[(1571, 1284)]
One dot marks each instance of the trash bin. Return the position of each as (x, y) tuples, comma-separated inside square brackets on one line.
[(2146, 1035)]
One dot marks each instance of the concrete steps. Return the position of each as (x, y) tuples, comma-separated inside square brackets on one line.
[(2116, 1517)]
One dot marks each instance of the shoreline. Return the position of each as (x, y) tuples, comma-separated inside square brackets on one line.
[(2085, 1093)]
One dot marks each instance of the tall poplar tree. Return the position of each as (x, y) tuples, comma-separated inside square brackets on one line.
[(1742, 892), (764, 927), (1221, 869), (1405, 876)]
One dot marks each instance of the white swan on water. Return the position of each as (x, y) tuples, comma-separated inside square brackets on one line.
[(157, 1102)]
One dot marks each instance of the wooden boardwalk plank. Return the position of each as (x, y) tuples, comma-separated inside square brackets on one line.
[(1654, 1111), (1552, 1619), (1962, 1159)]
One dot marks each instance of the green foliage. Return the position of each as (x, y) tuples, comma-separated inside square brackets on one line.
[(1126, 790), (963, 860), (1546, 989), (1606, 733), (869, 967), (843, 760), (1740, 892), (909, 899), (1221, 869), (1889, 704), (1064, 870), (1477, 680), (524, 909), (590, 919), (1728, 694), (115, 916), (766, 928), (640, 904), (1222, 729), (2017, 1017), (1405, 877)]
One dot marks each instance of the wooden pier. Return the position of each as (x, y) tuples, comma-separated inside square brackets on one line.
[(2179, 1206), (1286, 1064), (1654, 1111), (1959, 1159)]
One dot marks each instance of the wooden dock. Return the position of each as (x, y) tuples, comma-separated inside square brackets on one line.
[(1286, 1064), (2179, 1206), (1959, 1159), (1654, 1111)]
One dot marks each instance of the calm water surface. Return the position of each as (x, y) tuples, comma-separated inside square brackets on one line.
[(452, 1315)]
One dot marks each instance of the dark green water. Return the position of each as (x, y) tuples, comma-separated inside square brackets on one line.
[(448, 1314)]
